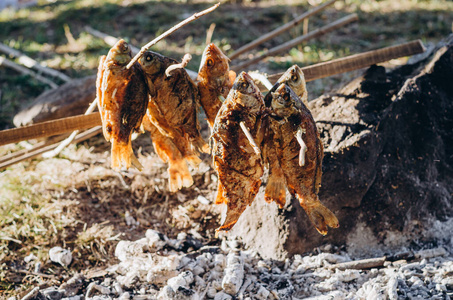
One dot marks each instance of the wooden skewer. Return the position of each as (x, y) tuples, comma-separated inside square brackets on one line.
[(288, 45), (36, 152), (31, 63), (358, 61), (111, 40), (6, 62), (49, 128), (170, 31), (280, 29)]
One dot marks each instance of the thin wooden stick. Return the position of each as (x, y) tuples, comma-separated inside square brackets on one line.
[(358, 61), (31, 63), (280, 29), (170, 31), (49, 128), (7, 63), (361, 264), (250, 138), (185, 60), (111, 40), (69, 140), (36, 152), (288, 45)]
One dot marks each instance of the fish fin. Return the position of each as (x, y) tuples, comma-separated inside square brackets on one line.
[(193, 160), (135, 162), (275, 188), (179, 175), (220, 198), (320, 216), (200, 145), (121, 154), (232, 76)]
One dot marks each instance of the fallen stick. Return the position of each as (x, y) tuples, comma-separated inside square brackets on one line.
[(170, 31), (360, 264), (185, 60), (358, 61), (280, 29), (288, 45), (31, 63), (49, 128), (111, 40), (7, 63), (36, 152)]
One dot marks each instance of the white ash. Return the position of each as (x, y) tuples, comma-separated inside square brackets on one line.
[(156, 267)]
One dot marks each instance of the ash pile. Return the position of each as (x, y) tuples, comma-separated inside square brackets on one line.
[(156, 267)]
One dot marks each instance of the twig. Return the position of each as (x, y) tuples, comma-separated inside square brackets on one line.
[(49, 128), (69, 140), (36, 274), (303, 147), (261, 78), (361, 264), (170, 31), (288, 45), (31, 63), (250, 138), (7, 63), (280, 29), (358, 61), (209, 33), (33, 293), (36, 152), (185, 60)]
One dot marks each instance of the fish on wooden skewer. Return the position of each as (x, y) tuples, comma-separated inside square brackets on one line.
[(299, 152), (236, 156), (175, 153), (295, 79), (173, 100), (215, 80), (122, 100)]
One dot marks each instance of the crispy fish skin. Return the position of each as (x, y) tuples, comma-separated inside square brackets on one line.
[(303, 182), (173, 100), (214, 79), (168, 150), (239, 168), (122, 100), (294, 78)]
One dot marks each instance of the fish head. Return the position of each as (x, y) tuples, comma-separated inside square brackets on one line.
[(214, 67), (284, 101), (120, 53), (246, 93), (153, 63), (295, 79)]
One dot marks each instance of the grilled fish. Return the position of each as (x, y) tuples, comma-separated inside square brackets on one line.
[(295, 79), (173, 100), (299, 152), (122, 100), (175, 153), (235, 156), (214, 81)]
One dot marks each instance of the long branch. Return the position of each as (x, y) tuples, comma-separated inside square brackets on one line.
[(170, 31), (8, 63), (280, 29), (288, 45)]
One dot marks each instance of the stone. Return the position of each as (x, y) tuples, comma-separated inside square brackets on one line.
[(61, 256)]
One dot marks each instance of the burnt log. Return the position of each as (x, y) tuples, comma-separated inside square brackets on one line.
[(387, 169)]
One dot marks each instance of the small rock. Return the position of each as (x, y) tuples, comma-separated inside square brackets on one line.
[(222, 296), (61, 256), (127, 249), (156, 240), (73, 285), (52, 293), (183, 279)]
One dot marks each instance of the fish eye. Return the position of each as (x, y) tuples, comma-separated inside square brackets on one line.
[(244, 85), (149, 58), (210, 62), (125, 47), (294, 78), (286, 97)]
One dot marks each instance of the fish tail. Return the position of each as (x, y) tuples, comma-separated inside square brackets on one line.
[(193, 160), (121, 154), (320, 216), (179, 175), (275, 188), (200, 145), (220, 198)]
